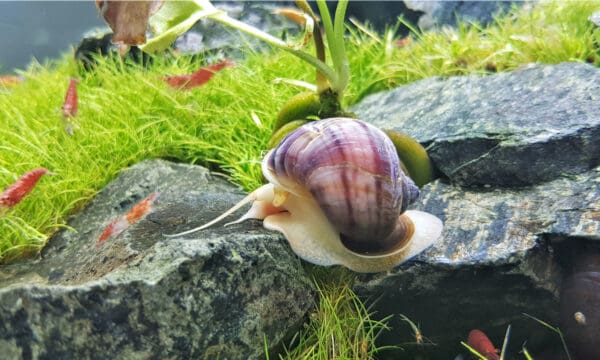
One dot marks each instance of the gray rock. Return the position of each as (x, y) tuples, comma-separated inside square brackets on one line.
[(502, 253), (219, 293), (440, 13), (210, 36), (507, 129)]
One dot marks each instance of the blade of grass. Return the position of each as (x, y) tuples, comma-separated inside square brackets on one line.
[(505, 343), (473, 351), (554, 329)]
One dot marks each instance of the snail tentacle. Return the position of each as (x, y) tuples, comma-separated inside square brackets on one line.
[(261, 199)]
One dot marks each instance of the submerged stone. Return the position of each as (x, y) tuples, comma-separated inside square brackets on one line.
[(220, 293), (520, 202), (503, 253), (448, 13), (508, 129)]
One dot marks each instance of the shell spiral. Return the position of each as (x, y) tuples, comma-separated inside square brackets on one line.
[(352, 170)]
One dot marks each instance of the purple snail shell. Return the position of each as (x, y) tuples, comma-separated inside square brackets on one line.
[(337, 192)]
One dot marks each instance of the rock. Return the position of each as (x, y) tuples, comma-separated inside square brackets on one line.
[(508, 129), (530, 137), (98, 42), (224, 42), (140, 295), (440, 13), (497, 259)]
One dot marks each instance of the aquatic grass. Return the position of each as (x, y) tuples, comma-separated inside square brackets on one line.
[(341, 327), (17, 228), (549, 32), (554, 329)]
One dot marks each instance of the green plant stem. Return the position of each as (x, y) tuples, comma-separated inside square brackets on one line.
[(250, 30), (334, 32), (341, 64)]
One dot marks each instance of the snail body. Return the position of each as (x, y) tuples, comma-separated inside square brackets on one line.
[(337, 192)]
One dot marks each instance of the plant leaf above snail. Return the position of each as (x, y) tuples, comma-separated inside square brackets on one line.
[(337, 192), (176, 17)]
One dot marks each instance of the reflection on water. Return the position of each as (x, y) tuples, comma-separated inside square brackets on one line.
[(42, 29)]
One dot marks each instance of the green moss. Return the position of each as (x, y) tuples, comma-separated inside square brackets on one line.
[(341, 326), (551, 32), (127, 114)]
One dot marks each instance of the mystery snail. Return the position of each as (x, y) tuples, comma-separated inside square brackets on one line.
[(337, 192)]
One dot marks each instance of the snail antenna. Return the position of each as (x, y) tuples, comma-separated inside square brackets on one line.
[(234, 208)]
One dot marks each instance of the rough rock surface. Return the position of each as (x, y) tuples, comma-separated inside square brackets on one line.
[(440, 13), (504, 251), (208, 35), (497, 259), (142, 296), (509, 129)]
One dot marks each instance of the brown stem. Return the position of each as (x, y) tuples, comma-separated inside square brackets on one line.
[(322, 83)]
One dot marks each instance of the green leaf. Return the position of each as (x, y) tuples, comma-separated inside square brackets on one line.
[(174, 19)]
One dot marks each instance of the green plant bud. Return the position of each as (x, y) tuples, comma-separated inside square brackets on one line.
[(279, 134), (413, 156), (299, 106)]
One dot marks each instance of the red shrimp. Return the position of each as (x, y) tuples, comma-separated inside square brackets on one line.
[(292, 14), (138, 211), (8, 81), (22, 187), (479, 341), (404, 42), (113, 229), (198, 78), (69, 108)]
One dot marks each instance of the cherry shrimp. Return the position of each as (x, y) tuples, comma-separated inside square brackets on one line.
[(137, 212), (15, 193), (479, 341), (198, 78), (8, 81), (420, 339), (69, 107)]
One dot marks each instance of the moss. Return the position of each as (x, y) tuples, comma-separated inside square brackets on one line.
[(551, 32), (341, 326), (127, 114)]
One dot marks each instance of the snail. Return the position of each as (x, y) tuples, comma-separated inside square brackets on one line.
[(337, 192)]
